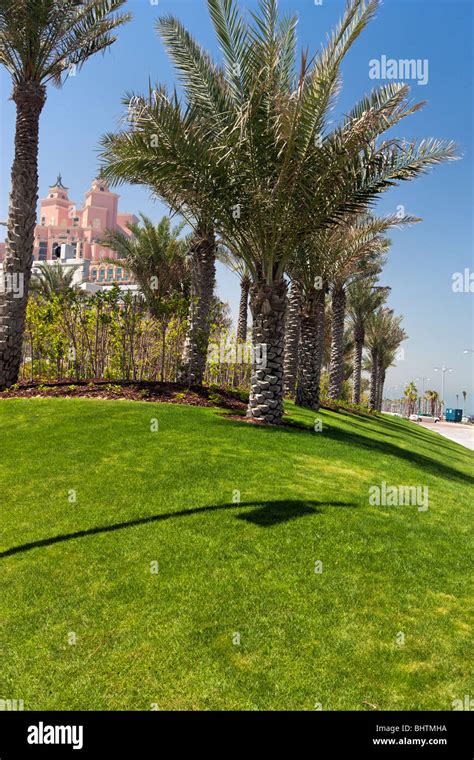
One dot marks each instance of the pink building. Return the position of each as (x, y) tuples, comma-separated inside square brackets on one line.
[(61, 222)]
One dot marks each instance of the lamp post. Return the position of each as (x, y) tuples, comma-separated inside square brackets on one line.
[(443, 371), (422, 378)]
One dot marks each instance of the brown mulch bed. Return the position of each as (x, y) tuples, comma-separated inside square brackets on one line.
[(172, 393)]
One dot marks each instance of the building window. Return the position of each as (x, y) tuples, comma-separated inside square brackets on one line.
[(101, 275), (118, 273), (42, 250), (110, 274), (94, 275)]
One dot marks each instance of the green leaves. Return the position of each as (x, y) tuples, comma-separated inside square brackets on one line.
[(254, 134), (40, 40)]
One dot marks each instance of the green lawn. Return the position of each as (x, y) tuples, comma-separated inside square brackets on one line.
[(168, 638)]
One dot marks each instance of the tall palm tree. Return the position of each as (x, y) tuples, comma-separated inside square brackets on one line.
[(382, 327), (292, 339), (156, 256), (364, 297), (50, 279), (387, 355), (40, 41), (360, 256), (243, 152)]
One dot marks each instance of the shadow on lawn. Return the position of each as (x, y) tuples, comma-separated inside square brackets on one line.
[(267, 514), (425, 463)]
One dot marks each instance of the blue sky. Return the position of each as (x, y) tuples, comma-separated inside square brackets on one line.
[(423, 258)]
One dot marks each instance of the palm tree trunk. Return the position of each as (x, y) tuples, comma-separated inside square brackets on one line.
[(336, 367), (359, 338), (380, 385), (311, 351), (292, 338), (243, 309), (268, 304), (164, 327), (373, 381), (29, 98), (193, 360)]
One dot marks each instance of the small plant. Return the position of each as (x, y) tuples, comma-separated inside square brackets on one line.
[(110, 388)]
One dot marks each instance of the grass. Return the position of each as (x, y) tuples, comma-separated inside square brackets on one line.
[(168, 639)]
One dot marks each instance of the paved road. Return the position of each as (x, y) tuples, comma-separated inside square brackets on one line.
[(455, 431)]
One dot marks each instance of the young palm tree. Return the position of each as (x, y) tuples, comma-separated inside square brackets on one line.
[(51, 279), (156, 256), (40, 41), (243, 152), (364, 297)]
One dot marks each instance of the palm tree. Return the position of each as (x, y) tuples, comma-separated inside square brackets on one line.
[(156, 256), (53, 279), (464, 397), (242, 152), (386, 356), (292, 339), (237, 266), (383, 336), (433, 398), (364, 297), (40, 41), (360, 256), (411, 395)]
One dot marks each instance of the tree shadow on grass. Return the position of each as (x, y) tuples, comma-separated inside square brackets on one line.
[(425, 463), (268, 513)]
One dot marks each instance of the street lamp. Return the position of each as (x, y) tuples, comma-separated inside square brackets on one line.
[(468, 351), (422, 378), (443, 370)]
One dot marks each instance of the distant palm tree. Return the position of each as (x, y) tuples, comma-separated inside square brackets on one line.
[(53, 279), (464, 397), (411, 395), (384, 334), (236, 265), (364, 297), (40, 41), (156, 256), (433, 398)]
